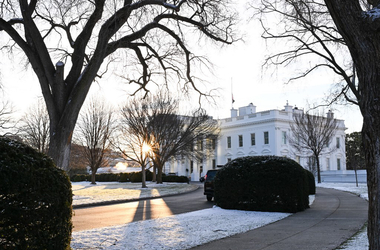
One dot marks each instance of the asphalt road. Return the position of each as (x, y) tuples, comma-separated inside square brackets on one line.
[(118, 214)]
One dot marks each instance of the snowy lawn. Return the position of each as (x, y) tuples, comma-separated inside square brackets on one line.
[(85, 193), (175, 232), (191, 229)]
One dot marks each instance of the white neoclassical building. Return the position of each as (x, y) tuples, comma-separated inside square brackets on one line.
[(250, 133)]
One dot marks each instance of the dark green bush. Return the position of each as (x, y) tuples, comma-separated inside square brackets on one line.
[(80, 177), (124, 177), (262, 183), (35, 200), (107, 177), (137, 176), (174, 178), (311, 179)]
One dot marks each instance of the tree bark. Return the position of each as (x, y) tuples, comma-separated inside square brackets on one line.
[(159, 175), (318, 169), (362, 36), (143, 178), (60, 145), (154, 174), (371, 145)]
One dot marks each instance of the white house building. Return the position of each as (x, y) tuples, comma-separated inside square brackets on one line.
[(251, 133)]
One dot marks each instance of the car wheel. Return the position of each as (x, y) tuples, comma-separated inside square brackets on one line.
[(209, 197)]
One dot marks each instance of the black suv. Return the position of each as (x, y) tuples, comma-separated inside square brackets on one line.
[(209, 184)]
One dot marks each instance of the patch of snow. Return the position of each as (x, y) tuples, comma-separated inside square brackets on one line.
[(175, 232), (86, 193), (195, 228)]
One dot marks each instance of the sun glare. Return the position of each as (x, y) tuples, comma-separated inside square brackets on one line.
[(146, 148)]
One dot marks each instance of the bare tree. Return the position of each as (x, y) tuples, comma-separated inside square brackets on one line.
[(34, 127), (69, 43), (6, 121), (156, 122), (175, 135), (354, 24), (312, 133), (78, 163), (94, 131)]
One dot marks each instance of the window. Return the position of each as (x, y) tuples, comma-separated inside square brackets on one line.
[(298, 159), (213, 164), (284, 137), (240, 141), (228, 141), (228, 159), (327, 164), (338, 164), (200, 145), (191, 166), (253, 139), (266, 137), (337, 142), (213, 143)]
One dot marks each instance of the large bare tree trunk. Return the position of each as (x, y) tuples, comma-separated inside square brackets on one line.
[(361, 33), (371, 145), (60, 145), (159, 175)]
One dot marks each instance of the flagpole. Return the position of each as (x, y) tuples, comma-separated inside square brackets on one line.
[(232, 95)]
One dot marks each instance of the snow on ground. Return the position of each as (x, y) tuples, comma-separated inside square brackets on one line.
[(85, 193), (190, 229), (360, 240), (175, 232)]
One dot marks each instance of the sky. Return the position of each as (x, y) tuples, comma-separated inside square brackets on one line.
[(237, 72)]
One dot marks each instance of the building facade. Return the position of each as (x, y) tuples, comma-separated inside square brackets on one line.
[(250, 133)]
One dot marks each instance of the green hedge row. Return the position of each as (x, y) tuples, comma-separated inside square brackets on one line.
[(127, 177), (35, 200), (262, 183), (311, 179)]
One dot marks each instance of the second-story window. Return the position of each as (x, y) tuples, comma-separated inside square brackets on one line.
[(266, 137), (200, 145), (337, 142), (284, 137), (228, 141), (240, 141), (253, 139)]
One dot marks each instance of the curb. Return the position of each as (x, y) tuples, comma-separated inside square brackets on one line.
[(113, 202)]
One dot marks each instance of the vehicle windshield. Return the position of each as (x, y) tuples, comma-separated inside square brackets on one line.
[(210, 175)]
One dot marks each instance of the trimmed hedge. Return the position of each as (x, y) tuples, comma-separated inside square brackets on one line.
[(311, 179), (262, 183), (137, 176), (120, 177), (174, 178), (125, 177), (35, 200)]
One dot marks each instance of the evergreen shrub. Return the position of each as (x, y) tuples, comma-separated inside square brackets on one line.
[(311, 179), (137, 176), (124, 177), (35, 200), (174, 178), (262, 183)]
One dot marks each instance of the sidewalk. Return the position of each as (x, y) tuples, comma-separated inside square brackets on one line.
[(333, 218)]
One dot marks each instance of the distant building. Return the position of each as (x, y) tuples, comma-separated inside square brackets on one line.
[(251, 133)]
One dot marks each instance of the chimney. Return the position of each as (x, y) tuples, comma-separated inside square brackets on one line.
[(234, 112), (288, 108), (330, 115)]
